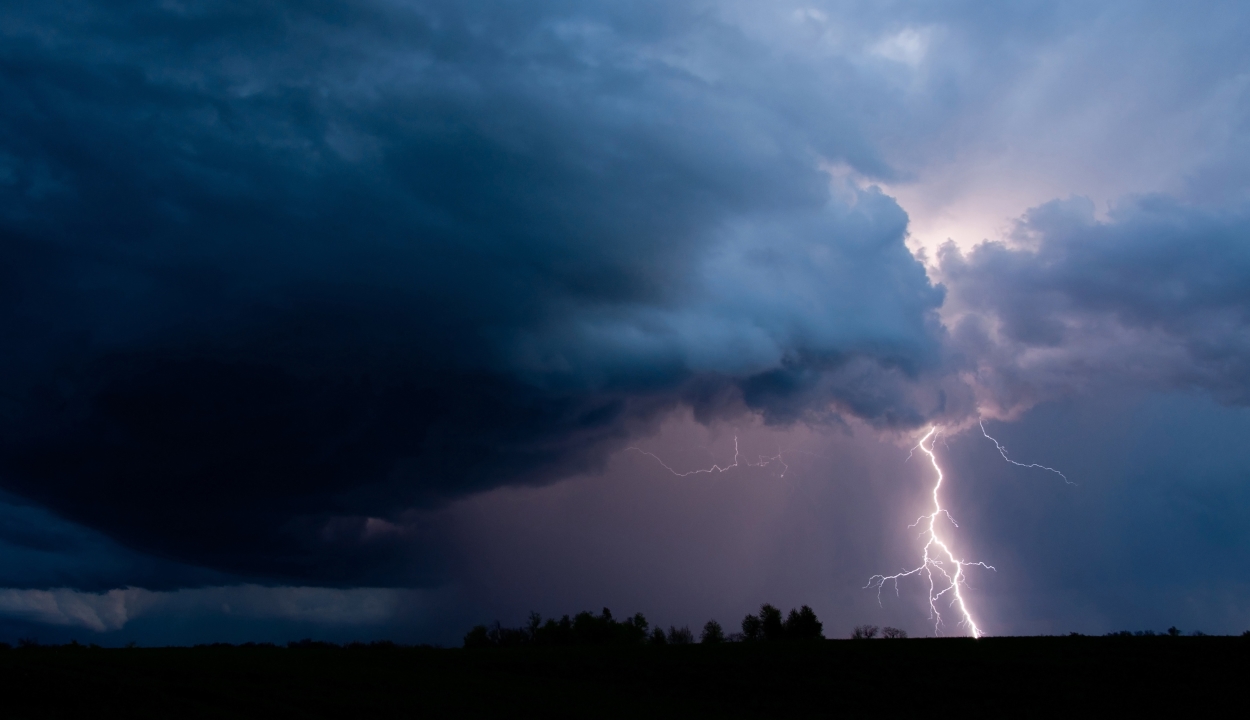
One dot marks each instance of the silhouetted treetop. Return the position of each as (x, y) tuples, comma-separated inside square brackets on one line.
[(752, 628), (801, 624), (770, 621), (680, 636), (864, 632), (584, 628), (712, 633)]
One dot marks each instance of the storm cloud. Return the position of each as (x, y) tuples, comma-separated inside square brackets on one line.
[(1155, 296), (275, 272), (358, 305)]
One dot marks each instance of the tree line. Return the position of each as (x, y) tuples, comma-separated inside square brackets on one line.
[(586, 628)]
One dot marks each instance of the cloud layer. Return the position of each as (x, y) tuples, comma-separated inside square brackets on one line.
[(112, 610)]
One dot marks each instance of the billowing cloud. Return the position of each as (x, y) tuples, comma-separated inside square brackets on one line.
[(1156, 296), (274, 274)]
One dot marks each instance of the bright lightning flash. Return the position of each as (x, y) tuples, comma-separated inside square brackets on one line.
[(764, 461), (943, 580)]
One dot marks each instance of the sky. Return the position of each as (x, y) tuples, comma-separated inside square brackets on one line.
[(381, 319)]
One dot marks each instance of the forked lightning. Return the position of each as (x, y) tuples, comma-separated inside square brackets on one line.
[(936, 554)]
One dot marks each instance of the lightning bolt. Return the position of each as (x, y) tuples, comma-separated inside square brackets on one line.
[(764, 461), (935, 556), (1003, 451)]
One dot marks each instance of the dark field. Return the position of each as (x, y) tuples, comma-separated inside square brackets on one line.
[(994, 676)]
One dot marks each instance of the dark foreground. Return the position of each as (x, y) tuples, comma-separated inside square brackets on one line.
[(989, 677)]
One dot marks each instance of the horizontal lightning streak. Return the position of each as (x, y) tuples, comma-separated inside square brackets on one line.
[(764, 461)]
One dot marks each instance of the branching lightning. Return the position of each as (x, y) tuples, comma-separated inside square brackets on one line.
[(944, 571), (936, 555), (1003, 451), (764, 461)]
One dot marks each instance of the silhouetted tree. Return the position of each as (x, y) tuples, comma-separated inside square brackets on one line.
[(555, 632), (478, 637), (586, 628), (712, 633), (591, 630), (770, 620), (892, 633), (634, 629), (583, 629), (1173, 632), (680, 636), (752, 628), (802, 624), (864, 632)]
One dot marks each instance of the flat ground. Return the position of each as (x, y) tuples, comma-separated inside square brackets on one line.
[(989, 677)]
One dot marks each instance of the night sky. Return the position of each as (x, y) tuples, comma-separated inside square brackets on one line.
[(385, 318)]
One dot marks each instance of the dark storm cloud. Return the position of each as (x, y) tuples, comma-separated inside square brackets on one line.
[(275, 271), (41, 550), (1156, 296)]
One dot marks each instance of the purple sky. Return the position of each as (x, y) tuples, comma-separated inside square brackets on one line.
[(340, 319)]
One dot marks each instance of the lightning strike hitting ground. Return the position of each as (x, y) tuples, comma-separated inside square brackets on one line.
[(1003, 451), (932, 562), (764, 461)]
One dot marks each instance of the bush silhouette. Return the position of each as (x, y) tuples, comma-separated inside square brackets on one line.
[(892, 633)]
